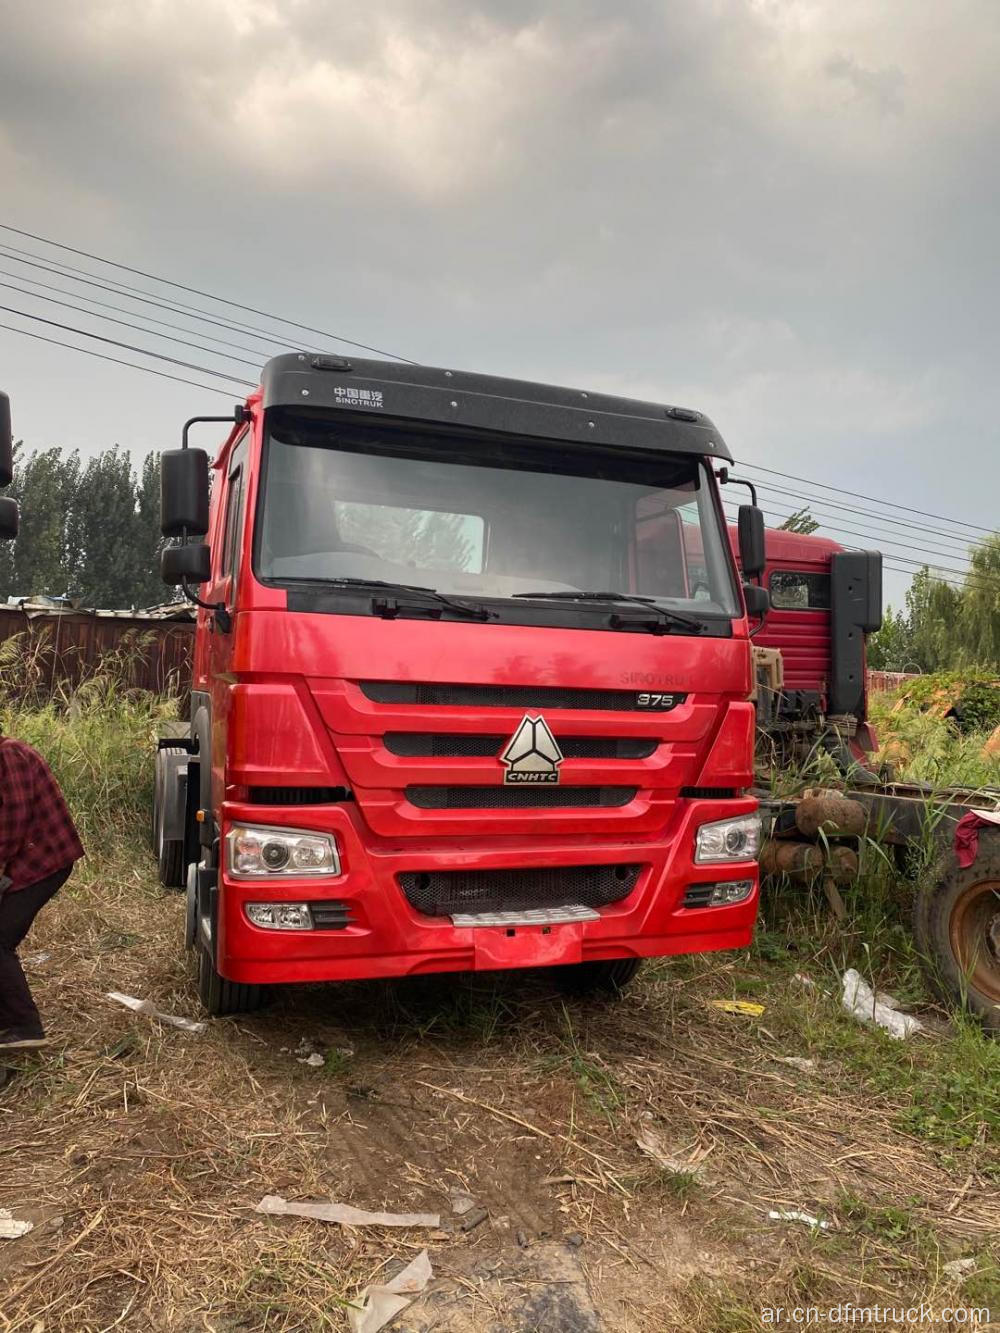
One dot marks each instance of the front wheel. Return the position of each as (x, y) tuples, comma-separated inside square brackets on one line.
[(957, 926), (608, 975), (220, 996)]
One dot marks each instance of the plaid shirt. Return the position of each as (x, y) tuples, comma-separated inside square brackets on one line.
[(37, 834)]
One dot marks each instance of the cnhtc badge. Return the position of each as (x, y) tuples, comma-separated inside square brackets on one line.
[(532, 755)]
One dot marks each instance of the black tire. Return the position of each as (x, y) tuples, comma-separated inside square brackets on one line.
[(170, 861), (219, 996), (956, 923), (611, 976)]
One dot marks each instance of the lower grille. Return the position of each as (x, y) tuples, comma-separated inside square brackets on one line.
[(518, 798), (453, 745), (447, 892), (330, 915), (511, 696)]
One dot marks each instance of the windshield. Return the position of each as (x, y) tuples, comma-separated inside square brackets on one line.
[(489, 519)]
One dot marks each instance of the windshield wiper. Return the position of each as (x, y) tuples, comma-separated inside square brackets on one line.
[(665, 617), (413, 597)]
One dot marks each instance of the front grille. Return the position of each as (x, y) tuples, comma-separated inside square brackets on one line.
[(446, 892), (330, 915), (510, 696), (298, 795), (452, 745), (518, 798)]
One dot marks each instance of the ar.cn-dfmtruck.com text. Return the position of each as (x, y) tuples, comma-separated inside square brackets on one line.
[(876, 1316)]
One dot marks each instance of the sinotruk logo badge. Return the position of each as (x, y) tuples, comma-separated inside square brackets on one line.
[(532, 754)]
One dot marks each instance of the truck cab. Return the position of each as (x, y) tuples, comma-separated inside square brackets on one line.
[(458, 703)]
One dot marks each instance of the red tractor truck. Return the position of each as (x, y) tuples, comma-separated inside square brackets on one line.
[(471, 686)]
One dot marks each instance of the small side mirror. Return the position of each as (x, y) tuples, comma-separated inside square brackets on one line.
[(192, 562), (184, 492), (753, 557), (6, 443), (758, 599), (8, 518)]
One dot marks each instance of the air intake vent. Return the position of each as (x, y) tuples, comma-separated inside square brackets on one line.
[(452, 745), (512, 696), (446, 892), (298, 795), (698, 895), (708, 793), (518, 798), (330, 915)]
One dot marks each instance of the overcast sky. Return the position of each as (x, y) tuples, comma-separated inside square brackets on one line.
[(781, 212)]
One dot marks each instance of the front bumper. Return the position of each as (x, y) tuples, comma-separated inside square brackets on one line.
[(388, 937)]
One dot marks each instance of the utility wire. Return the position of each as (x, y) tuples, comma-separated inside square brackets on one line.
[(124, 310), (788, 476), (81, 310), (175, 308), (101, 356), (196, 291), (814, 504), (129, 347)]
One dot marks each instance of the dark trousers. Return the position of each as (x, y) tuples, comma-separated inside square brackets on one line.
[(18, 909)]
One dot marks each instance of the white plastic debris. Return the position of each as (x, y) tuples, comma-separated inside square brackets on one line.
[(461, 1203), (321, 1211), (150, 1010), (804, 980), (958, 1268), (796, 1061), (11, 1228), (860, 1001), (34, 959), (314, 1061), (797, 1215), (378, 1305)]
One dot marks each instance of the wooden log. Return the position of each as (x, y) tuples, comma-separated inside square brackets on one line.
[(797, 860), (835, 815)]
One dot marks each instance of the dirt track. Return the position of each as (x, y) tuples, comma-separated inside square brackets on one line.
[(139, 1151)]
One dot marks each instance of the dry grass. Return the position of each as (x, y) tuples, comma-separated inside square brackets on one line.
[(139, 1150)]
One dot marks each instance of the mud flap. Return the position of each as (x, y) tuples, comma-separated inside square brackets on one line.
[(527, 946)]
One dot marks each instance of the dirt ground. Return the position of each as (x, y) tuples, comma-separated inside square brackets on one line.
[(139, 1151)]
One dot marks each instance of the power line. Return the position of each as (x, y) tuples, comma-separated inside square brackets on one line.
[(943, 518), (196, 291), (129, 347), (101, 356), (908, 524), (175, 308), (81, 310), (123, 310)]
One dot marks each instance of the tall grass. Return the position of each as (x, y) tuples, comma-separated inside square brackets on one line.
[(97, 738)]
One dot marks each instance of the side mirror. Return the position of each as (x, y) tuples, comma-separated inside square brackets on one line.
[(8, 518), (758, 599), (191, 562), (6, 443), (184, 492), (753, 557)]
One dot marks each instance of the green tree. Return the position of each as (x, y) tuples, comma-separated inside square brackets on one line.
[(891, 647), (801, 521), (979, 617)]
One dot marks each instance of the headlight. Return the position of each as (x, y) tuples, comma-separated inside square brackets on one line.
[(728, 840), (254, 852)]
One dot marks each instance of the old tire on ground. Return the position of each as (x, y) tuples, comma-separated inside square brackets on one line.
[(608, 975), (956, 922), (219, 996)]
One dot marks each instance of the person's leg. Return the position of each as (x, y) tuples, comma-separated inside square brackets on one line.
[(18, 909)]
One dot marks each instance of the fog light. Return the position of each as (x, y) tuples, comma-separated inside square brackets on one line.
[(280, 916), (734, 892)]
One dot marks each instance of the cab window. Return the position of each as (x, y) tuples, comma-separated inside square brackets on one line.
[(799, 590)]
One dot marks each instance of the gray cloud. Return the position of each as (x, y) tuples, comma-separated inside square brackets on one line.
[(782, 210)]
